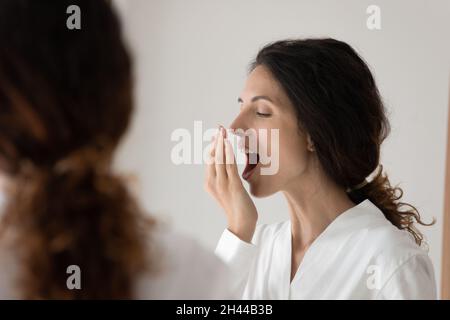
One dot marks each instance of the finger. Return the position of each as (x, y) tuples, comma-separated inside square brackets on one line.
[(231, 166), (211, 167), (219, 157), (212, 150)]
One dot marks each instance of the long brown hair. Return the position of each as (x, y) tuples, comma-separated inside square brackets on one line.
[(338, 104), (65, 102)]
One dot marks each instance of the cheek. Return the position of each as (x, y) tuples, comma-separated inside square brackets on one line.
[(266, 139), (293, 153), (292, 161), (286, 144)]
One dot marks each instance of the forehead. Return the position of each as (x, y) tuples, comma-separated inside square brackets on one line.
[(261, 82)]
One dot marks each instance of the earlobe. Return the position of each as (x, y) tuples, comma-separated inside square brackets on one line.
[(310, 144)]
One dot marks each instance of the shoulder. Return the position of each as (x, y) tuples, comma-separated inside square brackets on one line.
[(397, 253), (383, 239), (10, 269), (403, 267), (181, 268)]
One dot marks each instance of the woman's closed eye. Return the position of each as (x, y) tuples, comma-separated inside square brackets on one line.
[(263, 114)]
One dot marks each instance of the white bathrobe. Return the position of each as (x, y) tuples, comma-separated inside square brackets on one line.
[(183, 269), (360, 255)]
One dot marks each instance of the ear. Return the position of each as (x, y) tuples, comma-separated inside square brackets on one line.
[(310, 143)]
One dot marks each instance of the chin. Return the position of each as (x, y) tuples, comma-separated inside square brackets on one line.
[(260, 189)]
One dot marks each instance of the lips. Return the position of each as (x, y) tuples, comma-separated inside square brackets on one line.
[(251, 164)]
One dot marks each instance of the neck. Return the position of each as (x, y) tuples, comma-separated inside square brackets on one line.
[(313, 204)]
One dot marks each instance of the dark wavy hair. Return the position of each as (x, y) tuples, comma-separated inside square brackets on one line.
[(65, 102), (338, 104)]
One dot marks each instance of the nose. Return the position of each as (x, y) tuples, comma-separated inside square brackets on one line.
[(239, 126)]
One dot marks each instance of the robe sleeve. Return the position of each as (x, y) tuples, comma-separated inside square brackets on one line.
[(413, 280), (239, 256)]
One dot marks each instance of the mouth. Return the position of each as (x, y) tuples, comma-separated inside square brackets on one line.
[(251, 164)]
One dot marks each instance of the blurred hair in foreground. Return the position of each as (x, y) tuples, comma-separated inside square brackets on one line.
[(65, 102)]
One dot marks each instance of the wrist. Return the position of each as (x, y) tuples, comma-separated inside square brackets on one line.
[(243, 232)]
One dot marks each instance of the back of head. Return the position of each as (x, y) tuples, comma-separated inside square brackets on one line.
[(65, 102)]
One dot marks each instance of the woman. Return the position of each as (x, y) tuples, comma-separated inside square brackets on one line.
[(347, 238), (65, 103)]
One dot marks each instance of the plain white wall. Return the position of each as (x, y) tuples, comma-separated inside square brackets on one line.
[(191, 59)]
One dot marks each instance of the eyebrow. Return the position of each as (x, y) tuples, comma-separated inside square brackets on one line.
[(256, 98)]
